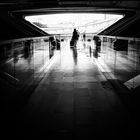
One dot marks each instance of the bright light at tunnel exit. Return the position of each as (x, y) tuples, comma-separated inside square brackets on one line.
[(65, 23)]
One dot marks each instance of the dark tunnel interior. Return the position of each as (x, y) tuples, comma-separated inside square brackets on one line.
[(56, 86)]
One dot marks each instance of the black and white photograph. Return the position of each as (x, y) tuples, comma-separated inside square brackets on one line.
[(69, 69)]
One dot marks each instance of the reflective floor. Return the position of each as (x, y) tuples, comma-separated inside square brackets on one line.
[(74, 101)]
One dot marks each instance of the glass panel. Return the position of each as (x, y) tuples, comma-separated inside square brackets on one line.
[(22, 62), (120, 58)]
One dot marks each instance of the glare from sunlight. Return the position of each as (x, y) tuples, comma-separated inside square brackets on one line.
[(65, 23)]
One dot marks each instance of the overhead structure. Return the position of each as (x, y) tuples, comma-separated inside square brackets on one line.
[(13, 25)]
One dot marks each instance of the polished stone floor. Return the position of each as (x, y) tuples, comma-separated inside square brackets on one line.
[(74, 101)]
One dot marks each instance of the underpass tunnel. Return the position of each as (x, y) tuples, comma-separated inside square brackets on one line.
[(50, 89)]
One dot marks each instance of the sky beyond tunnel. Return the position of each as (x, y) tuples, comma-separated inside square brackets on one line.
[(65, 23)]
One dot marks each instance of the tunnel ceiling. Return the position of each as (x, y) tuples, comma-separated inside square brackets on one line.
[(43, 6), (20, 8)]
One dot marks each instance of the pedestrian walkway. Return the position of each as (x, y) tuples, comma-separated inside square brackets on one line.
[(74, 101)]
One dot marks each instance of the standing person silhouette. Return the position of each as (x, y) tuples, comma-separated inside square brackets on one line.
[(97, 42), (75, 37), (84, 37)]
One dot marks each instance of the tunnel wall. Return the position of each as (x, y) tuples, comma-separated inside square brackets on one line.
[(125, 26), (13, 27)]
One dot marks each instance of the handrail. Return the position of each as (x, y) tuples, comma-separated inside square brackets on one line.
[(10, 79), (10, 76), (120, 37), (23, 39), (44, 37)]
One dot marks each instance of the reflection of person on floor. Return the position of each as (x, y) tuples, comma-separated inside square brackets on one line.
[(84, 45), (90, 50), (84, 40), (74, 55)]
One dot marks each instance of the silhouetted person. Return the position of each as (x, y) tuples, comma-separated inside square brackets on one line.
[(27, 48), (84, 37), (75, 37), (97, 42), (15, 56)]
